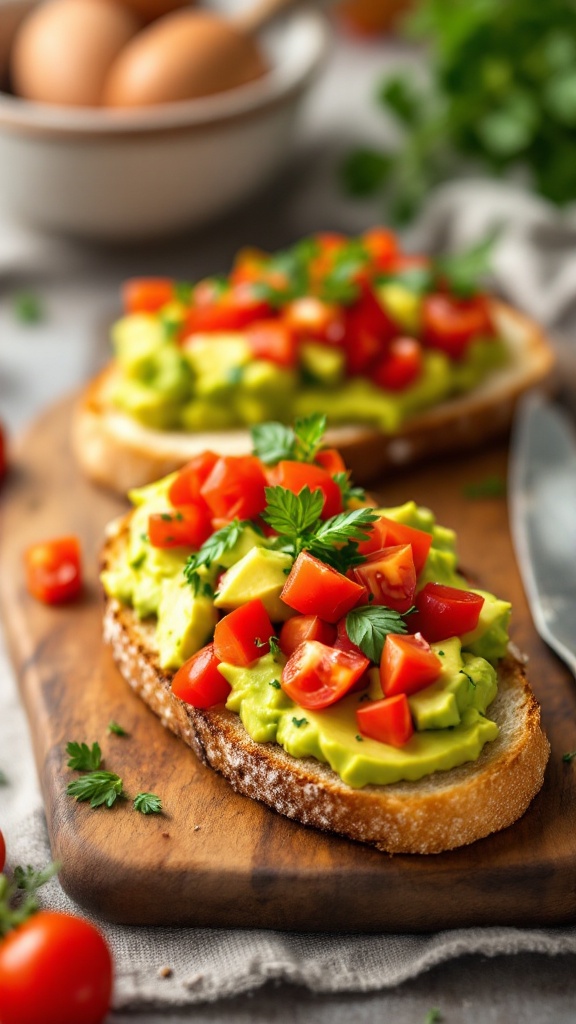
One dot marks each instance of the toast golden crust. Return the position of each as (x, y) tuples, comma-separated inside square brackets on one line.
[(116, 451), (440, 812)]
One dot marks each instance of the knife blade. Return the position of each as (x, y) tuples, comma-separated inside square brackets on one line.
[(542, 509)]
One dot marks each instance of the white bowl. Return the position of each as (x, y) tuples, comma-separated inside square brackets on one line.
[(121, 175)]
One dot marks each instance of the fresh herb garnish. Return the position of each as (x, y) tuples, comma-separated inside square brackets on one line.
[(433, 1016), (463, 271), (148, 803), (276, 684), (359, 739), (273, 442), (100, 788), (118, 730), (569, 757), (27, 308), (299, 722), (491, 487), (84, 758), (368, 627), (13, 909), (212, 550), (274, 645), (296, 518)]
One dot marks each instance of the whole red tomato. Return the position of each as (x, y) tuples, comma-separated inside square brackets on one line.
[(54, 969), (2, 852)]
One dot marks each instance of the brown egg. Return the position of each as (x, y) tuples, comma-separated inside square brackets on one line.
[(64, 48), (185, 54), (148, 10)]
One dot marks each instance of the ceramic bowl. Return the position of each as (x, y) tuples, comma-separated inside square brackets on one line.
[(122, 175)]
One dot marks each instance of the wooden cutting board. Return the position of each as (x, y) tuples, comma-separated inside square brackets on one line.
[(218, 859)]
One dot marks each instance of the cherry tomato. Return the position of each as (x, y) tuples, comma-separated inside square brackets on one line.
[(305, 627), (450, 324), (314, 588), (408, 664), (369, 330), (387, 532), (445, 611), (388, 720), (390, 576), (147, 294), (53, 570), (243, 635), (185, 488), (294, 476), (316, 676), (401, 366), (198, 681), (235, 488), (187, 526), (273, 340), (54, 969), (2, 852)]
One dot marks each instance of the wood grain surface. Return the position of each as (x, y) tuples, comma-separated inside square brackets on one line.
[(218, 859)]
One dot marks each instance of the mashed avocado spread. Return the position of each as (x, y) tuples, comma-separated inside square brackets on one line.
[(351, 326), (449, 715)]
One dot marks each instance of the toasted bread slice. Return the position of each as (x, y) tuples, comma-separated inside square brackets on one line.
[(440, 812), (115, 450)]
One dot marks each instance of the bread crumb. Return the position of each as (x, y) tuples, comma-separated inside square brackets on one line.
[(165, 835), (165, 972)]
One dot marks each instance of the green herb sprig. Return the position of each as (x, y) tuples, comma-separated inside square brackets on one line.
[(273, 442), (368, 627), (148, 803), (99, 788), (18, 895), (84, 758)]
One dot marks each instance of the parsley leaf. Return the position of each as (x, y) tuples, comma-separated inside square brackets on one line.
[(464, 271), (569, 757), (15, 909), (308, 433), (293, 515), (433, 1016), (148, 803), (368, 627), (29, 879), (84, 758), (100, 788), (212, 550), (272, 442), (118, 730)]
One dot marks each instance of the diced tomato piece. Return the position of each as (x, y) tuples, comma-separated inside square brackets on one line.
[(273, 340), (401, 365), (445, 611), (305, 627), (147, 294), (382, 245), (386, 532), (228, 309), (314, 588), (294, 476), (331, 460), (185, 489), (235, 487), (408, 664), (316, 676), (450, 324), (343, 641), (53, 570), (198, 682), (388, 720), (390, 576), (243, 635), (311, 317), (369, 330), (187, 526)]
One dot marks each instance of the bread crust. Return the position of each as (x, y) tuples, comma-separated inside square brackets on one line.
[(116, 451), (440, 812)]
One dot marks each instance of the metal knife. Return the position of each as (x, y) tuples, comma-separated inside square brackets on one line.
[(542, 508)]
